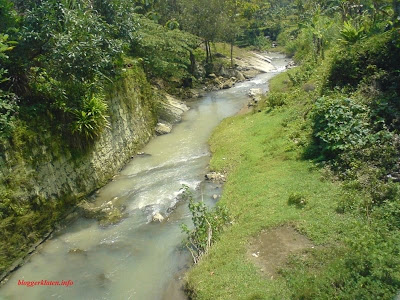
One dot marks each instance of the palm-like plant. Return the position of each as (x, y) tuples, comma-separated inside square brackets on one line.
[(350, 34)]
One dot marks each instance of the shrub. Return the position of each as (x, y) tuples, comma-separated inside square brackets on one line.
[(366, 58), (350, 34), (208, 224), (339, 125), (8, 108), (276, 99), (92, 118), (309, 87)]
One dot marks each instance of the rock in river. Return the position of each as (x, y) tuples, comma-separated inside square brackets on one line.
[(157, 217), (163, 128), (214, 176)]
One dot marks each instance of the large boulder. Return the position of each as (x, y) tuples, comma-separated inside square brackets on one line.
[(107, 213), (163, 128), (255, 95), (239, 76), (229, 83), (223, 72), (171, 109)]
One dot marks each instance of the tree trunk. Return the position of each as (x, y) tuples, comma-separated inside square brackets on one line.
[(192, 62), (209, 51), (232, 54), (396, 9), (207, 54), (322, 48)]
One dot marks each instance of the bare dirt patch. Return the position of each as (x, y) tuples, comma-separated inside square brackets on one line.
[(245, 110), (270, 249)]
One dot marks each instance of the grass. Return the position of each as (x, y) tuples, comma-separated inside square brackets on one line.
[(280, 83), (265, 168), (225, 49)]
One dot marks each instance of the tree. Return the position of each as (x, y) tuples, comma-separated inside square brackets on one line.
[(165, 53), (231, 23), (203, 18)]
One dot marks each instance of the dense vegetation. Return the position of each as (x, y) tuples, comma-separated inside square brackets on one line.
[(58, 55), (336, 115), (59, 60)]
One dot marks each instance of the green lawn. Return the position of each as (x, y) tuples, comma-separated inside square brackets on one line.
[(265, 167)]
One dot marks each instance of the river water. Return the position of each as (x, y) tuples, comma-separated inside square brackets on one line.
[(138, 259)]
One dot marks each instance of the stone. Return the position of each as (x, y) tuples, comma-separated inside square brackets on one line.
[(212, 76), (223, 72), (228, 84), (106, 213), (114, 216), (157, 217), (291, 65), (171, 109), (216, 177), (76, 251), (239, 76), (199, 71), (163, 128), (255, 93), (215, 196)]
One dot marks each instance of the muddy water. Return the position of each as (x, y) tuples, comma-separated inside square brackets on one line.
[(137, 259)]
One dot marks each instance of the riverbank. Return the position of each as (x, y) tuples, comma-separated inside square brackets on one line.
[(275, 197), (134, 262), (56, 177)]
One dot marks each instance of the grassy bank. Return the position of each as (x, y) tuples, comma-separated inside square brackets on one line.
[(263, 153)]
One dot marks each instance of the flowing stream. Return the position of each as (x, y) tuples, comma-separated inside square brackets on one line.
[(138, 259)]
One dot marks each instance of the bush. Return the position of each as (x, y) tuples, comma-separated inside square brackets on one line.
[(350, 34), (8, 108), (353, 65), (339, 125), (208, 225), (92, 118), (276, 99)]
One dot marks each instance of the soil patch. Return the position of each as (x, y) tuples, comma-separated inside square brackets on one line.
[(245, 110), (270, 249)]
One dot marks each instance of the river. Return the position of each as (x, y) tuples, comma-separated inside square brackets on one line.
[(138, 259)]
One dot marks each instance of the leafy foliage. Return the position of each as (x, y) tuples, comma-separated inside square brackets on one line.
[(164, 52), (69, 50), (339, 125), (276, 99), (350, 34), (8, 105), (208, 225), (92, 118)]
